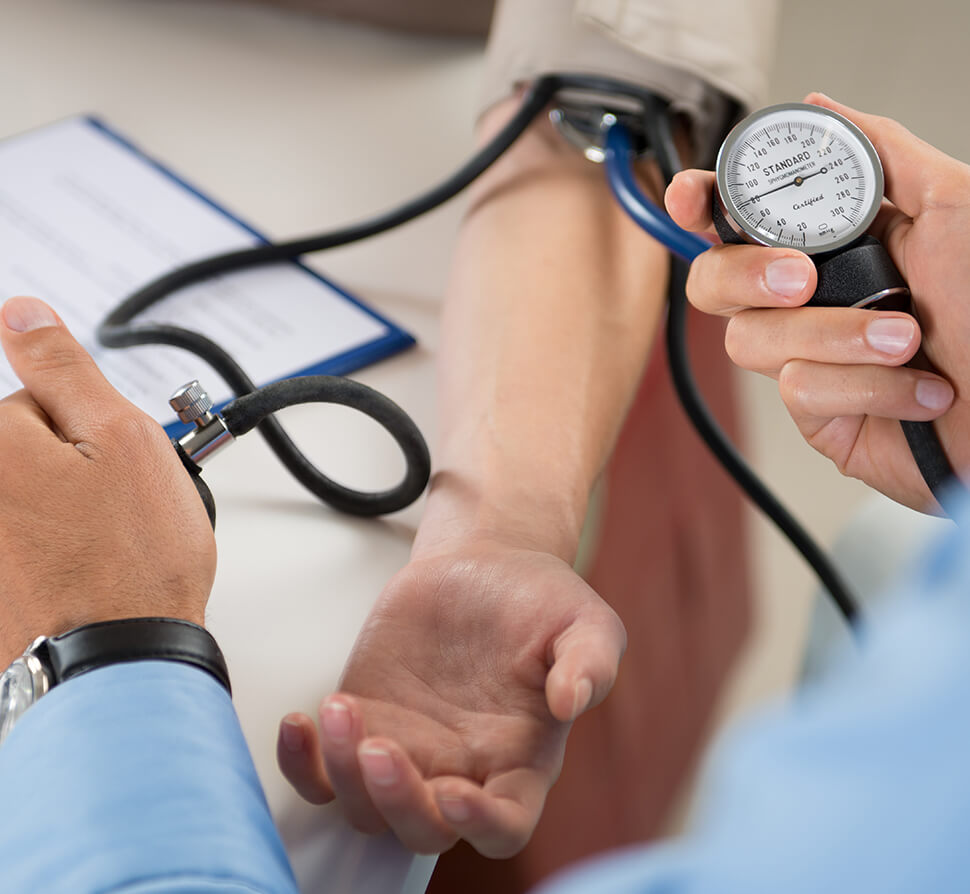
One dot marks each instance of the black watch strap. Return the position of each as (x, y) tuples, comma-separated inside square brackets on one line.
[(134, 639)]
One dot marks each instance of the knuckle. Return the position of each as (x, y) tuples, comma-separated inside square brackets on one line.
[(125, 424), (693, 289), (698, 290), (791, 384), (703, 269), (46, 357), (737, 337), (716, 257), (611, 634), (948, 186), (889, 130), (889, 126), (505, 846), (621, 638), (707, 279)]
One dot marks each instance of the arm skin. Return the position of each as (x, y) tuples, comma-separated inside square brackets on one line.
[(454, 708), (552, 306), (840, 371)]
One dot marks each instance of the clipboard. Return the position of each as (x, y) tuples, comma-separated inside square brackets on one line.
[(87, 216)]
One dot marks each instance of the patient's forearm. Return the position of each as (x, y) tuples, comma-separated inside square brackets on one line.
[(552, 304)]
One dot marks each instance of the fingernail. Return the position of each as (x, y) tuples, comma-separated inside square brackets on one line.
[(455, 810), (378, 765), (24, 314), (934, 394), (788, 276), (582, 696), (890, 335), (336, 721), (292, 735)]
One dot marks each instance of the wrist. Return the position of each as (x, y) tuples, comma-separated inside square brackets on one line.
[(463, 509)]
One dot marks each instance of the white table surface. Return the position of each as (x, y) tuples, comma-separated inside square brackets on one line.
[(297, 124)]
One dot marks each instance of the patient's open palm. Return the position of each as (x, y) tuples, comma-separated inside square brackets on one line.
[(455, 704)]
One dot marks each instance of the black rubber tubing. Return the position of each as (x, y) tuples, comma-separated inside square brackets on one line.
[(726, 454), (250, 410)]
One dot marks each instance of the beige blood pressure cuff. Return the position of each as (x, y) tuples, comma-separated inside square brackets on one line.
[(709, 58)]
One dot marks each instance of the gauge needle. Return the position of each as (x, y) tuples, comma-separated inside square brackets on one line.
[(798, 181)]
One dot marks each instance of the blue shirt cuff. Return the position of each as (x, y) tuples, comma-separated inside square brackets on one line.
[(136, 777)]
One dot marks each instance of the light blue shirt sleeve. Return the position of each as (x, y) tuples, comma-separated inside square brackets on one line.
[(135, 778), (859, 784)]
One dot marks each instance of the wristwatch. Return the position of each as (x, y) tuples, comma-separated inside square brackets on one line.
[(49, 661)]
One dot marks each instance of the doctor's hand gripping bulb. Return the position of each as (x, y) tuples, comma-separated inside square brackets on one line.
[(797, 175)]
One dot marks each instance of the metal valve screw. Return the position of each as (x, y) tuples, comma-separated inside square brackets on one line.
[(192, 403), (210, 434)]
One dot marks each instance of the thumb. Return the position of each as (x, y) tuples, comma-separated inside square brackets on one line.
[(586, 658), (59, 374), (916, 172)]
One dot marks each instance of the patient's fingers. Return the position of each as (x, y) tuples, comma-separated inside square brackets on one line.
[(342, 729), (300, 761), (402, 797), (499, 818)]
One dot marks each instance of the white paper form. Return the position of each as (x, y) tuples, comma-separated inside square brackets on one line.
[(85, 219)]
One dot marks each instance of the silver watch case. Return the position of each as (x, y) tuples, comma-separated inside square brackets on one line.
[(21, 685)]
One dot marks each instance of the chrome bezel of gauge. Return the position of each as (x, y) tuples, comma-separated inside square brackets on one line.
[(737, 220)]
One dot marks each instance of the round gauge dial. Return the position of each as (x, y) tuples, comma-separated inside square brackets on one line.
[(800, 176)]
